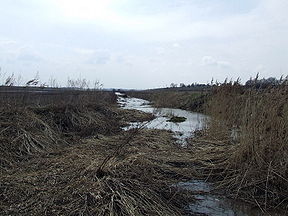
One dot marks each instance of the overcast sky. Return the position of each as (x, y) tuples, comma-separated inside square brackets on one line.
[(144, 43)]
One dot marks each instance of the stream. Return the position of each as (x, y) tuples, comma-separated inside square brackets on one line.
[(182, 130), (207, 203)]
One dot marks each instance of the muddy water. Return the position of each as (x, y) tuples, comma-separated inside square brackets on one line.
[(207, 203)]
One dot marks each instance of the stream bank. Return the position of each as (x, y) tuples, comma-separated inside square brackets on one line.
[(206, 201)]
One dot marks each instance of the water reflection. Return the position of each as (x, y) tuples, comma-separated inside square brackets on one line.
[(207, 203), (182, 130)]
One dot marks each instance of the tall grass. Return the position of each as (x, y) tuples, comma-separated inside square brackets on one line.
[(249, 132)]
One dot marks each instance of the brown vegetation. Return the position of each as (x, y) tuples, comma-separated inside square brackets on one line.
[(65, 154), (65, 182), (37, 122), (188, 100), (244, 149)]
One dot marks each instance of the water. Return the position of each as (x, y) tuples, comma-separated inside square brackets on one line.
[(211, 204), (182, 130), (207, 203)]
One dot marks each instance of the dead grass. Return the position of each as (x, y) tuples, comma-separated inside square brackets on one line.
[(245, 146), (26, 130), (71, 158), (65, 182), (134, 115), (188, 100)]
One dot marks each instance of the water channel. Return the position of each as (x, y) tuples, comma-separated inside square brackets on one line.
[(207, 204)]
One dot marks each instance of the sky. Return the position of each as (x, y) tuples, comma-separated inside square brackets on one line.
[(143, 43)]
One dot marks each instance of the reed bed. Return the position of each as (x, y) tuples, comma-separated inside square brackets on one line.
[(36, 122), (67, 181), (64, 153), (245, 147)]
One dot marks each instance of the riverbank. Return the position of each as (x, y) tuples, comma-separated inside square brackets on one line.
[(244, 148), (75, 158), (199, 153), (186, 100)]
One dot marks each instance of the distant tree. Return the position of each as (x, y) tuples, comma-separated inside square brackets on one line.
[(182, 85), (173, 85)]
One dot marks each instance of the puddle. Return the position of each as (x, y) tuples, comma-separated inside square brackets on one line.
[(211, 204), (182, 130)]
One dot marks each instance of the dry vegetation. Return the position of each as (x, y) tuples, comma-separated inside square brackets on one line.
[(33, 122), (244, 149), (68, 181), (188, 100), (64, 153)]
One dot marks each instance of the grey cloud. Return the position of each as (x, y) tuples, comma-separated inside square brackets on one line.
[(29, 57), (99, 57), (211, 61)]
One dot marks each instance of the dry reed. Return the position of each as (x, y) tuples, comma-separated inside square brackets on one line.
[(245, 147)]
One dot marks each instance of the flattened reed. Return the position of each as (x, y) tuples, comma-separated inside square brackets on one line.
[(34, 121), (65, 154)]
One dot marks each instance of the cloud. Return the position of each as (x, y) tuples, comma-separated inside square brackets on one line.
[(224, 64), (14, 51), (208, 60), (260, 68), (85, 51), (211, 61), (29, 57), (100, 57), (176, 45), (7, 42), (175, 37)]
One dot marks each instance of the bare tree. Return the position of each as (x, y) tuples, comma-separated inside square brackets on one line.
[(173, 85)]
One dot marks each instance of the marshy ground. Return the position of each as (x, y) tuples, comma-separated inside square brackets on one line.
[(74, 159), (66, 153)]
